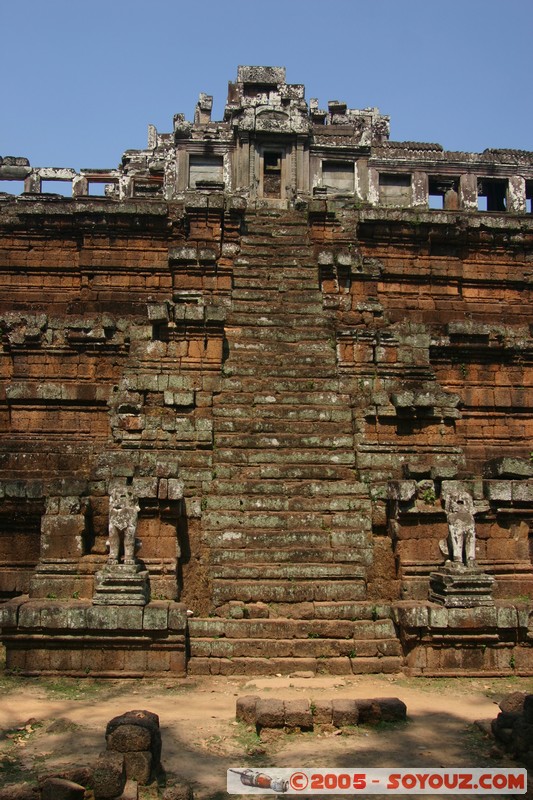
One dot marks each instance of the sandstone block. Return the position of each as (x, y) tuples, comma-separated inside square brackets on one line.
[(109, 775), (270, 714), (61, 789), (179, 791), (129, 738), (139, 766), (142, 719), (298, 714), (392, 709), (528, 708), (246, 709), (344, 712), (369, 712), (322, 712)]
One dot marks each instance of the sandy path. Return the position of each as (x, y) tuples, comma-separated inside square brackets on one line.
[(201, 739)]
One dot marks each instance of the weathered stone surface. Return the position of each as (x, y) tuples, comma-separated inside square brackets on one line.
[(179, 791), (270, 713), (148, 731), (139, 766), (285, 357), (129, 738), (344, 712), (109, 775), (392, 709), (514, 703), (298, 714), (247, 709), (61, 789), (369, 712)]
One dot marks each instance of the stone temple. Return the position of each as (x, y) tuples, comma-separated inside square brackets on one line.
[(266, 400)]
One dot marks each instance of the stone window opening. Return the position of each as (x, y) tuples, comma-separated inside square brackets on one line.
[(57, 187), (272, 162), (492, 194), (395, 189), (338, 176), (443, 193), (11, 187), (529, 197), (97, 188)]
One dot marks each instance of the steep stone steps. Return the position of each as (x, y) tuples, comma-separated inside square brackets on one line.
[(251, 425), (287, 457), (271, 544), (287, 591), (291, 413), (365, 643), (262, 440), (326, 398), (273, 555), (298, 490), (287, 523), (284, 628)]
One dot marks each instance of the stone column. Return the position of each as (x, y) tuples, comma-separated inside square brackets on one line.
[(420, 189), (516, 195), (468, 192)]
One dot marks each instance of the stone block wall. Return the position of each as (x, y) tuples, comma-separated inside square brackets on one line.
[(285, 383)]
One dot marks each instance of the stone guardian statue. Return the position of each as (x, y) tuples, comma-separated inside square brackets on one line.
[(459, 508), (123, 512)]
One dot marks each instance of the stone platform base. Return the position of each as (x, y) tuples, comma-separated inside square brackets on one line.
[(488, 640), (121, 585), (79, 639), (456, 586)]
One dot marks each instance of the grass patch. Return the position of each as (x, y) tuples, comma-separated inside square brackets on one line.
[(11, 769), (490, 687), (246, 738), (76, 688)]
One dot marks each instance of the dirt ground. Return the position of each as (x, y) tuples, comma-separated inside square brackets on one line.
[(48, 724)]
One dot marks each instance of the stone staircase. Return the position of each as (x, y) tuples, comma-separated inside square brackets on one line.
[(287, 522)]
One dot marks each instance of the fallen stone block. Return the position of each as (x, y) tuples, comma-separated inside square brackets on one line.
[(139, 766), (527, 707), (129, 739), (180, 791), (369, 712), (270, 714), (392, 709), (109, 775), (298, 714), (61, 789), (344, 712), (131, 791), (145, 720), (322, 712), (246, 709)]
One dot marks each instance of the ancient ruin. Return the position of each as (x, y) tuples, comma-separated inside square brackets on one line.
[(289, 339)]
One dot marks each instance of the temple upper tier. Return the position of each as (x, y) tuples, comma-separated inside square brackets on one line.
[(274, 145)]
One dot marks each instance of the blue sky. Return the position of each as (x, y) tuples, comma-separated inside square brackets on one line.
[(81, 79)]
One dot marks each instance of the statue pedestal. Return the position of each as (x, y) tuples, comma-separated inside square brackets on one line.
[(121, 585), (458, 586)]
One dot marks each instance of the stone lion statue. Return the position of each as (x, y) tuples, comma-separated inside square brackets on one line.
[(123, 512), (459, 508)]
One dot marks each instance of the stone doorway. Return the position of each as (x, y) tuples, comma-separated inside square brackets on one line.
[(272, 164)]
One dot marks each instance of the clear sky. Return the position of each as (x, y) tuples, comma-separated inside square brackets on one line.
[(81, 79)]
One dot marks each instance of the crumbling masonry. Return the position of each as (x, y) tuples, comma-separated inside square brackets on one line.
[(289, 339)]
